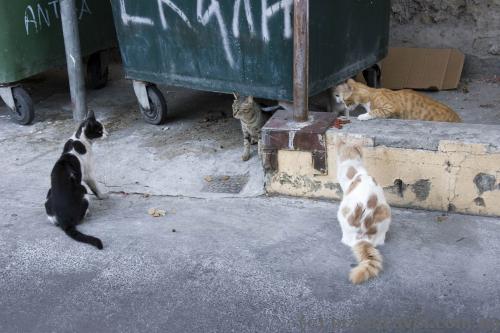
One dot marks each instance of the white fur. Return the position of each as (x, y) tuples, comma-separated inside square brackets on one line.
[(52, 219), (361, 194), (87, 164), (367, 115)]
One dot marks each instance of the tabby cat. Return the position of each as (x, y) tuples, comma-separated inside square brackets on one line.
[(385, 103), (252, 119), (363, 214), (67, 202)]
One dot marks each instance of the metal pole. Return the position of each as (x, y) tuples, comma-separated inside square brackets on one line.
[(301, 60), (74, 59)]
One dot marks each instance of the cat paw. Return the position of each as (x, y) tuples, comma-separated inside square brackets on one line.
[(245, 157), (103, 196), (365, 116)]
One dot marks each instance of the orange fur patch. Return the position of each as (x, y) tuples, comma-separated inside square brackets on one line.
[(370, 263), (371, 231), (368, 221), (353, 185), (381, 213), (348, 152), (355, 218), (351, 172), (372, 201)]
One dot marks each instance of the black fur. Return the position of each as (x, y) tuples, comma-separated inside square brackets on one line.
[(76, 145), (66, 199), (78, 133)]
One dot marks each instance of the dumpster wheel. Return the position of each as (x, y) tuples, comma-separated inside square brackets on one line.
[(157, 113), (24, 111)]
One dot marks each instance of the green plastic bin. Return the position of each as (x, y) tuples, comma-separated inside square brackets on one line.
[(243, 46), (31, 42)]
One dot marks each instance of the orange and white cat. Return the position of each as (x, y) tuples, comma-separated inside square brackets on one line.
[(385, 103), (363, 214)]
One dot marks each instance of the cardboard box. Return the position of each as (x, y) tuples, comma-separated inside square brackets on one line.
[(422, 68)]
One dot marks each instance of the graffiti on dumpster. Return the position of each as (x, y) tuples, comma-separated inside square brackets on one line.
[(38, 16), (211, 12)]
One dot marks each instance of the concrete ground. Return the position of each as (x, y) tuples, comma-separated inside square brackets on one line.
[(476, 101), (240, 262)]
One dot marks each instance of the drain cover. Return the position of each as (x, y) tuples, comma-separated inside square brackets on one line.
[(225, 184)]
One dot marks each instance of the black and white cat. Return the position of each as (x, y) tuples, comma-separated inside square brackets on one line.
[(67, 200)]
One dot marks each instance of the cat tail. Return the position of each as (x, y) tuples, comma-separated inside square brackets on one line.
[(79, 237), (369, 262)]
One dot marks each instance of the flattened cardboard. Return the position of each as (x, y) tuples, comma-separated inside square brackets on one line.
[(422, 68)]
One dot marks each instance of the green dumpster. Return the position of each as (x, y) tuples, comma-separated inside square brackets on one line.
[(243, 46), (31, 42)]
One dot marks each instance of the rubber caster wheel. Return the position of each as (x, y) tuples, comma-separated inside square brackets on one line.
[(157, 114), (24, 113), (97, 72), (372, 76)]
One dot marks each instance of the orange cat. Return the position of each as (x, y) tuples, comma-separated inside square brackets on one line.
[(385, 103)]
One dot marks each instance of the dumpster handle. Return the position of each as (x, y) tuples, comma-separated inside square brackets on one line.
[(74, 59), (7, 96), (301, 60)]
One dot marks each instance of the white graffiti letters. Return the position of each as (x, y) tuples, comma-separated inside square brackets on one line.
[(236, 17), (268, 12), (38, 16), (208, 11), (126, 18), (204, 19), (176, 9)]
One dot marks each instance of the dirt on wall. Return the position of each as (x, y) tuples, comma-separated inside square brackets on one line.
[(473, 26)]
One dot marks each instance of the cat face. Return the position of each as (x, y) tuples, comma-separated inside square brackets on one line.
[(91, 128), (342, 93), (243, 107), (347, 151)]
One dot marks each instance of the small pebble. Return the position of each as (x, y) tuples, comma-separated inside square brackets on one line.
[(173, 230)]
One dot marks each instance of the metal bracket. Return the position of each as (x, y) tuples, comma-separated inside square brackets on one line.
[(283, 133), (7, 96), (288, 106), (141, 92)]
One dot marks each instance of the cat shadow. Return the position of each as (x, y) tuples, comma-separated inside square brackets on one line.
[(356, 112), (100, 209), (185, 104)]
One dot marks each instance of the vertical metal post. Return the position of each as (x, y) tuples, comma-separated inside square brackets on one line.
[(74, 59), (301, 60)]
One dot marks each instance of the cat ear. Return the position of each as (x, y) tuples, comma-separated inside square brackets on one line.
[(358, 149), (351, 82), (250, 99), (236, 96), (90, 114)]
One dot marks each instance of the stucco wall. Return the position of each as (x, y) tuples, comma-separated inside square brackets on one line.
[(473, 26), (438, 166)]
